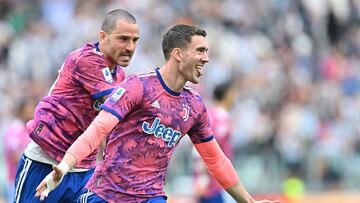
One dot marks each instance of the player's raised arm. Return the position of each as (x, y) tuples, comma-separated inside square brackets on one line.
[(81, 148), (221, 168)]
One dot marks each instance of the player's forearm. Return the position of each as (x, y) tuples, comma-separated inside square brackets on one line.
[(93, 135), (68, 162), (218, 165), (239, 193), (223, 171)]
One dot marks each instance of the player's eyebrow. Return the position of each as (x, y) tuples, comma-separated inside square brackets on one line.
[(202, 49), (127, 37)]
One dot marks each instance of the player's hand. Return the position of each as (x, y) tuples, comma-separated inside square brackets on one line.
[(50, 182)]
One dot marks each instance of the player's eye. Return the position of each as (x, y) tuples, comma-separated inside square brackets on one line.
[(135, 40), (201, 50), (122, 38)]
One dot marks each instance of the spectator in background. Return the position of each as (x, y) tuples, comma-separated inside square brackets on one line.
[(206, 187), (16, 139)]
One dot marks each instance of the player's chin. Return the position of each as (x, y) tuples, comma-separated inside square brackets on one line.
[(195, 80), (123, 63)]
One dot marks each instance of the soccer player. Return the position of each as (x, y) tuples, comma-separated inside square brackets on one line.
[(143, 120), (87, 76), (206, 187)]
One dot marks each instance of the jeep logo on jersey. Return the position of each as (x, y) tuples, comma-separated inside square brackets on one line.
[(159, 130)]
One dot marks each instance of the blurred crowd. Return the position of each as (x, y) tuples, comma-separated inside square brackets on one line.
[(295, 64)]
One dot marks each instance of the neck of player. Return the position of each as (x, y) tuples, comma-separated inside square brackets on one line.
[(110, 62), (172, 78)]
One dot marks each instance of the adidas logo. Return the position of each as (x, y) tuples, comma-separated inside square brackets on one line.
[(156, 104)]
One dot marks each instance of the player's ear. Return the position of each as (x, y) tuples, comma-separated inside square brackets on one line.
[(102, 35), (177, 54)]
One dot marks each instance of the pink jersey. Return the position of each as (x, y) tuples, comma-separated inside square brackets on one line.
[(16, 139), (152, 121), (221, 125), (73, 102)]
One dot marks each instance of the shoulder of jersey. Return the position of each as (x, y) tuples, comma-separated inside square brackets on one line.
[(86, 50), (191, 90), (146, 74), (90, 54)]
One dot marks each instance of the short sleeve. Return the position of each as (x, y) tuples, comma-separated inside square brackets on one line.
[(201, 131), (126, 97)]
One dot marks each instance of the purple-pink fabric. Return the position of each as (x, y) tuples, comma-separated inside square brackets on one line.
[(73, 102), (152, 121)]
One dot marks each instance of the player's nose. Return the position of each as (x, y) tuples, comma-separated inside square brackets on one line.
[(205, 58), (130, 46)]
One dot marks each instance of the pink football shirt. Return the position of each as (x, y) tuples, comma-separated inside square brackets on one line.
[(15, 141), (152, 121), (73, 102)]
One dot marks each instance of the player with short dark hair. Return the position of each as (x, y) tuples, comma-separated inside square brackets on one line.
[(144, 120), (87, 76)]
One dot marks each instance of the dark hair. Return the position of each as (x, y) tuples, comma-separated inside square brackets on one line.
[(179, 36), (221, 90), (112, 17)]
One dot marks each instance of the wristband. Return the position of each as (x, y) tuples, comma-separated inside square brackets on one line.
[(64, 167)]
